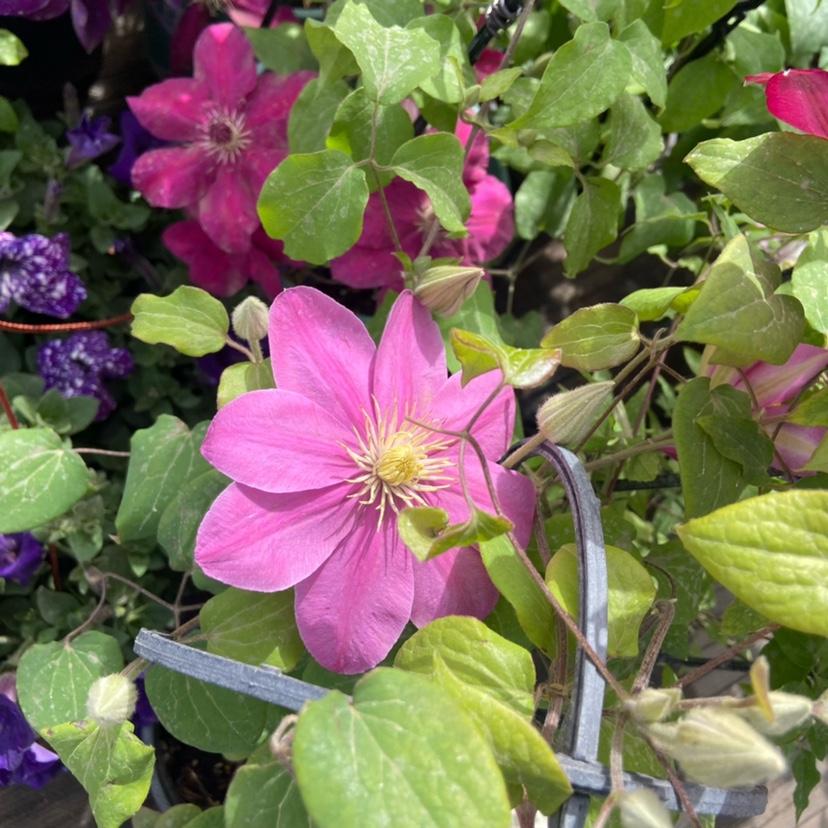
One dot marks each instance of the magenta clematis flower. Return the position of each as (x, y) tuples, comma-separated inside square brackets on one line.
[(774, 388), (224, 274), (371, 261), (798, 97), (323, 464), (230, 127)]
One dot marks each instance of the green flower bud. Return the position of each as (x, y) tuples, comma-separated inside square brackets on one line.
[(789, 711), (444, 288), (250, 319), (716, 747), (111, 700), (653, 704), (643, 809), (566, 418)]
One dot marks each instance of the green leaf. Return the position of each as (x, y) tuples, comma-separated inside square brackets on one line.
[(112, 763), (543, 202), (493, 680), (708, 479), (650, 304), (779, 179), (631, 594), (807, 777), (595, 338), (315, 204), (204, 715), (494, 85), (581, 80), (12, 50), (591, 10), (647, 61), (313, 114), (447, 85), (735, 301), (53, 680), (284, 50), (9, 122), (163, 458), (697, 91), (242, 377), (635, 138), (771, 552), (40, 478), (521, 367), (592, 224), (393, 60), (409, 773), (808, 22), (420, 527), (434, 163), (253, 627), (335, 60), (522, 591), (684, 17), (189, 319), (265, 796), (809, 283)]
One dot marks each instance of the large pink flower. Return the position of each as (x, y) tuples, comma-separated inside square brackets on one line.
[(798, 97), (231, 129), (371, 261), (323, 464)]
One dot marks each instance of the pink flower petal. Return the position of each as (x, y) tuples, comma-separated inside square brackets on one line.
[(227, 212), (491, 224), (409, 384), (781, 383), (352, 610), (796, 444), (171, 110), (477, 161), (321, 350), (172, 177), (223, 60), (265, 542), (798, 97), (268, 108), (366, 267), (279, 441)]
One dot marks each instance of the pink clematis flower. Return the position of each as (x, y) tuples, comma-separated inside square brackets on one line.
[(371, 262), (224, 274), (323, 464), (230, 126), (798, 97), (774, 387)]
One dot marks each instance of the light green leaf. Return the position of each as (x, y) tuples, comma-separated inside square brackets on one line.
[(493, 680), (779, 179), (735, 301), (253, 627), (591, 10), (476, 314), (315, 204), (592, 224), (595, 338), (112, 763), (543, 202), (163, 459), (393, 60), (204, 715), (634, 137), (494, 85), (808, 22), (335, 60), (12, 50), (420, 527), (40, 478), (313, 114), (771, 552), (53, 680), (809, 281), (631, 594), (265, 796), (684, 17), (581, 80), (447, 85), (189, 319), (522, 591), (434, 163), (650, 304), (410, 773), (647, 60), (428, 540), (242, 377)]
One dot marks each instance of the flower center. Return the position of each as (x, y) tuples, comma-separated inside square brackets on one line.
[(398, 463), (223, 135)]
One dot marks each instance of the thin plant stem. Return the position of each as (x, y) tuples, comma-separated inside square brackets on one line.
[(240, 348), (63, 327), (6, 405), (667, 611), (102, 452)]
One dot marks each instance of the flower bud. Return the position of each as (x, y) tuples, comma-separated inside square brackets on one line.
[(250, 319), (566, 418), (789, 711), (111, 700), (820, 708), (715, 747), (643, 809), (653, 704), (444, 288)]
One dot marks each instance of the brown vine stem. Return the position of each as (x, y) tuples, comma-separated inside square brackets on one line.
[(6, 405), (62, 327), (726, 655)]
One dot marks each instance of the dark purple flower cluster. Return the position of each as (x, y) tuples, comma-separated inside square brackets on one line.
[(34, 272), (20, 556), (89, 139), (136, 141), (79, 365), (22, 760)]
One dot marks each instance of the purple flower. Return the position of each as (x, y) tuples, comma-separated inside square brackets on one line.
[(22, 760), (136, 140), (34, 272), (144, 715), (89, 139), (20, 556), (78, 366)]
